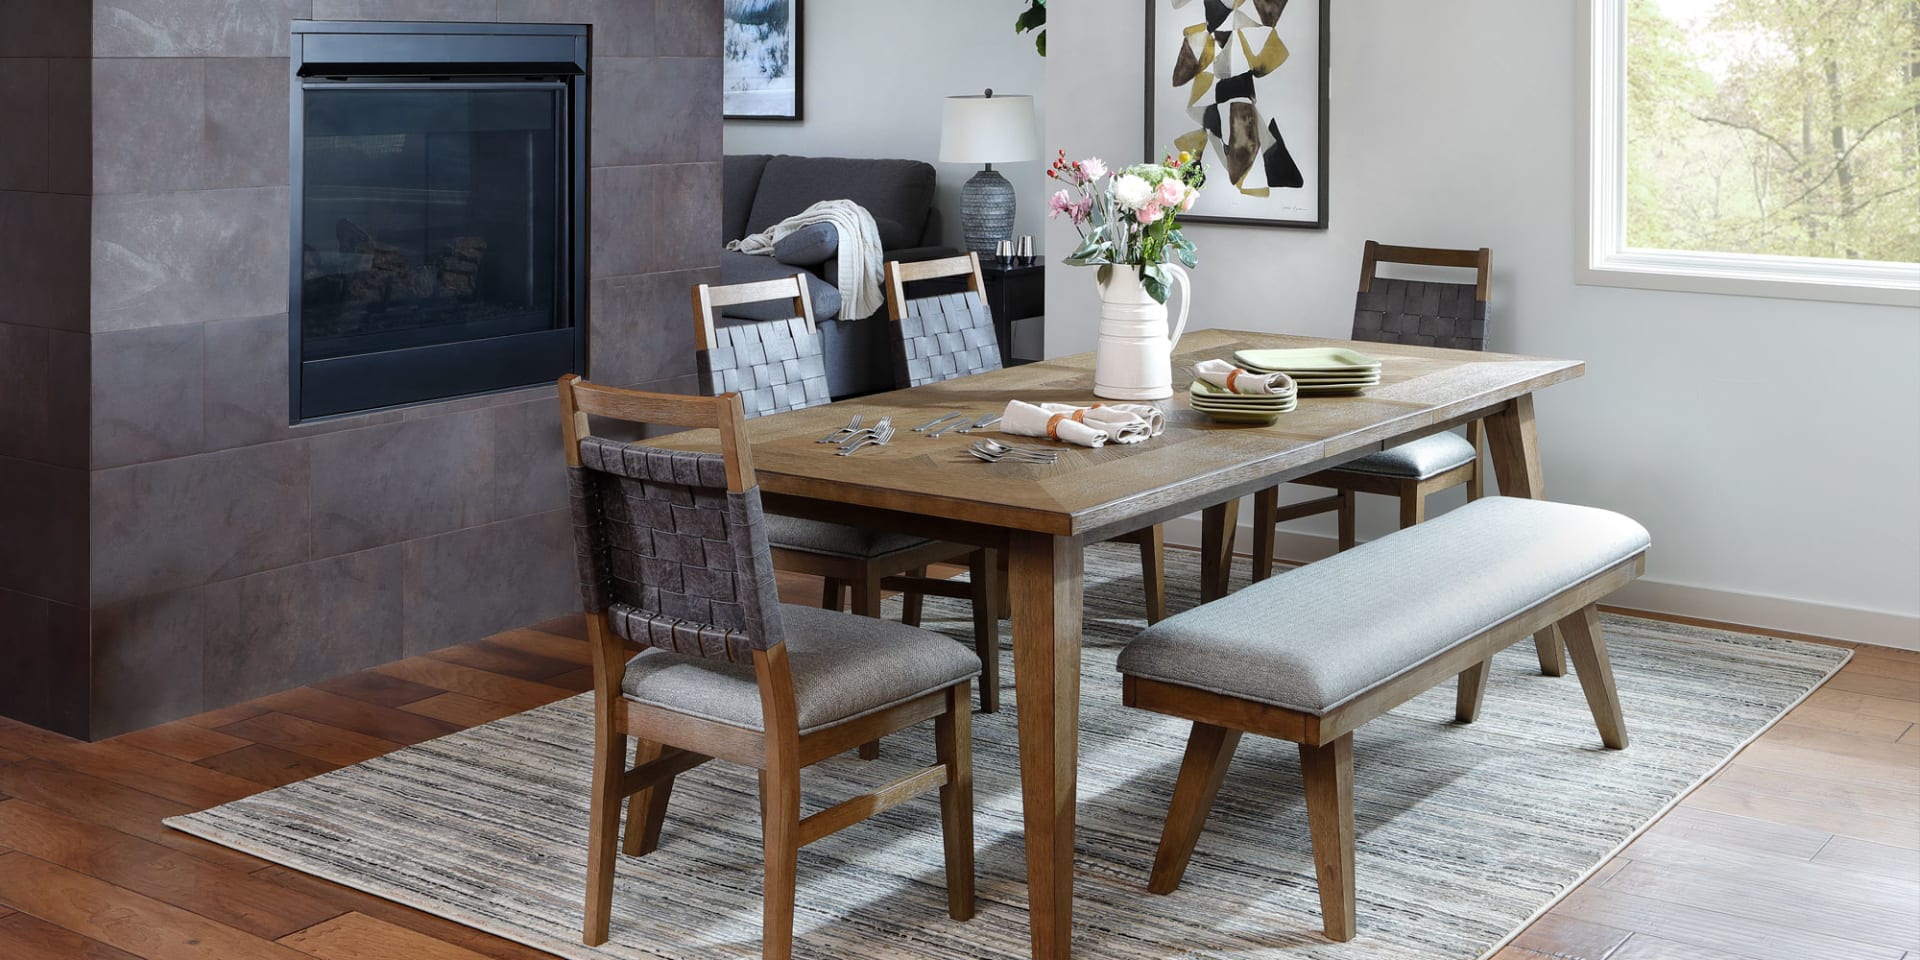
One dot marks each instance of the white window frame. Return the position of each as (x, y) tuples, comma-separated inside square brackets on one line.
[(1600, 241)]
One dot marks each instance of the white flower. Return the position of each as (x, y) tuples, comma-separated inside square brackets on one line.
[(1131, 192), (1093, 168)]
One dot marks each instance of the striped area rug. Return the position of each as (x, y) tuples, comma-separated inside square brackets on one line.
[(1466, 832)]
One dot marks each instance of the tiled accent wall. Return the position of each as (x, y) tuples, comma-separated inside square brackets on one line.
[(44, 347), (229, 555)]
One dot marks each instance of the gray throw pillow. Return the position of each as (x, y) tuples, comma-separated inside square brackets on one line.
[(808, 246)]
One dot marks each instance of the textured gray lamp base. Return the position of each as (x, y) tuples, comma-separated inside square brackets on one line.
[(986, 210)]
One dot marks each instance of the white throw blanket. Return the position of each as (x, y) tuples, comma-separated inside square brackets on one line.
[(859, 255)]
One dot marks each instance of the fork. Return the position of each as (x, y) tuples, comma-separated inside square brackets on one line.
[(878, 438), (962, 425), (987, 422), (843, 434)]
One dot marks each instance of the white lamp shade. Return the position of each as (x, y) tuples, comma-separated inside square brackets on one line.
[(996, 129)]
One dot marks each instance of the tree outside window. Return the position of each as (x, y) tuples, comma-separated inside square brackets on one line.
[(1773, 127)]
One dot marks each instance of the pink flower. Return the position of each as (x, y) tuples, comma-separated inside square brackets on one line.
[(1186, 202), (1077, 211), (1093, 168), (1061, 202), (1151, 212), (1171, 192)]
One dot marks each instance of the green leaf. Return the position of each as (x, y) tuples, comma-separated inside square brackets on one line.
[(1153, 279)]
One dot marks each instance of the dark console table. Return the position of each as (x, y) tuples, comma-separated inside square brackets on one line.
[(1013, 293)]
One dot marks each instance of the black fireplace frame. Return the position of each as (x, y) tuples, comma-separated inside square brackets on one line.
[(329, 54)]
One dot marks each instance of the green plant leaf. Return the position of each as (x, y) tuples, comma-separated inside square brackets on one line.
[(1153, 279)]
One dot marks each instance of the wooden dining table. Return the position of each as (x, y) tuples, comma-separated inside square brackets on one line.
[(1042, 516)]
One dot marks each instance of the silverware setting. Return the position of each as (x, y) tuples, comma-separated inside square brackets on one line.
[(984, 423), (843, 434), (877, 437), (962, 425), (936, 421), (994, 451)]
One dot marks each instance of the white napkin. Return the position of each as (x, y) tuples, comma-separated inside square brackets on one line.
[(1125, 422), (1221, 374), (1028, 420)]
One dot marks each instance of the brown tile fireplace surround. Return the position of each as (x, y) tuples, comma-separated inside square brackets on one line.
[(168, 543)]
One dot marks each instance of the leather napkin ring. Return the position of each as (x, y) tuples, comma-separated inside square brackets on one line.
[(1053, 422), (1233, 375)]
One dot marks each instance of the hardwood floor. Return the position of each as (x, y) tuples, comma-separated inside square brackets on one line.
[(1807, 846)]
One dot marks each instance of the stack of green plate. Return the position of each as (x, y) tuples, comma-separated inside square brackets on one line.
[(1317, 371), (1228, 407)]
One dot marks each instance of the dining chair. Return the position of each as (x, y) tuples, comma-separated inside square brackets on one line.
[(1392, 310), (950, 335), (778, 365), (673, 559)]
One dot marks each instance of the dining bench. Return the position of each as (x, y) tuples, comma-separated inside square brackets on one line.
[(1312, 655)]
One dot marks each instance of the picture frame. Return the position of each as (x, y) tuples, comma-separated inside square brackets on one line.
[(761, 60), (1268, 117)]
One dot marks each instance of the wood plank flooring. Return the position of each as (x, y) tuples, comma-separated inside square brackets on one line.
[(1807, 846)]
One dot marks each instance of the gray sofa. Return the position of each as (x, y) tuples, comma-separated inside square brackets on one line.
[(761, 190)]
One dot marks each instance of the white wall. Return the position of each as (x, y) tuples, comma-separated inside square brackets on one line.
[(875, 73), (1771, 446)]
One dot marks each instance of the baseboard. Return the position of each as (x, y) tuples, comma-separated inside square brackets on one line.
[(1761, 613)]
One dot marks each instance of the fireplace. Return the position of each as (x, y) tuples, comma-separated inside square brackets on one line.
[(439, 211)]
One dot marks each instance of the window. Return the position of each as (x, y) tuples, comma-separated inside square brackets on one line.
[(1762, 147)]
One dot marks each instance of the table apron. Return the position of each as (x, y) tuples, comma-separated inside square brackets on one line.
[(988, 535)]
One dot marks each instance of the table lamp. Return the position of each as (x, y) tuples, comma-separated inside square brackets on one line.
[(987, 130)]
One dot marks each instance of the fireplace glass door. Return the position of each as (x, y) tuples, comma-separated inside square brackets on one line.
[(434, 248)]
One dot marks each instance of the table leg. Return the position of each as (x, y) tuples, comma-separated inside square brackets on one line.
[(1045, 577), (1218, 525), (1514, 444)]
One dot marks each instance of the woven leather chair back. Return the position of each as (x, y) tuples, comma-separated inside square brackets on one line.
[(774, 365), (1422, 312), (672, 558), (938, 338)]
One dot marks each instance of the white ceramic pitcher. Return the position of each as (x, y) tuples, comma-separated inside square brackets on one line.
[(1134, 357)]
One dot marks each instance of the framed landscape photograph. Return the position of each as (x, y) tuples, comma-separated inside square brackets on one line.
[(761, 54), (1243, 85)]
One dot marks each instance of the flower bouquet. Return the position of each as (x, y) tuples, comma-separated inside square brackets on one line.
[(1129, 216)]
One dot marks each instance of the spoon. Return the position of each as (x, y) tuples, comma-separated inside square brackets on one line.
[(996, 450)]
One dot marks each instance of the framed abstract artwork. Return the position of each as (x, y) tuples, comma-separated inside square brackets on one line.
[(1243, 84), (761, 60)]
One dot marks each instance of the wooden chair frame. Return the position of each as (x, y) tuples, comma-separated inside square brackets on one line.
[(1326, 741), (867, 578), (1412, 494), (670, 743), (1151, 540)]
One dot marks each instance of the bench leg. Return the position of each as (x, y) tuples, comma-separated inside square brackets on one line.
[(1209, 751), (1472, 690), (1589, 650), (1328, 771), (1553, 653)]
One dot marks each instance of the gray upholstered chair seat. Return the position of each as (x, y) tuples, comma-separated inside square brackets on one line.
[(844, 667), (1416, 459), (837, 539), (1313, 638)]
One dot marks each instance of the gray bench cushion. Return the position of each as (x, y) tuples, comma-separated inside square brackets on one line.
[(844, 667), (1315, 637), (1416, 459), (838, 539)]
